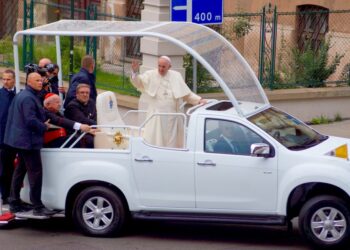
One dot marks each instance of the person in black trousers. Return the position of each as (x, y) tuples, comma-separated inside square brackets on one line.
[(7, 153), (25, 128)]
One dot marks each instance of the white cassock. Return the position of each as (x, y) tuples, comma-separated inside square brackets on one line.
[(164, 94)]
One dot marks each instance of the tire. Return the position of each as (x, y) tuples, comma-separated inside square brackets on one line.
[(98, 211), (325, 222)]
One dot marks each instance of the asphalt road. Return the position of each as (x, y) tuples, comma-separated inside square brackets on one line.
[(58, 233)]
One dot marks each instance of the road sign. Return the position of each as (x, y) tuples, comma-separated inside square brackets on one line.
[(197, 11)]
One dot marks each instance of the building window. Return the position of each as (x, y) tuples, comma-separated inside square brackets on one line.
[(312, 26)]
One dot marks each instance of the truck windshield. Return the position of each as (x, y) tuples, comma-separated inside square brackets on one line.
[(286, 129)]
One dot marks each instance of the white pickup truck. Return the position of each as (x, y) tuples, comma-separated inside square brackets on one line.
[(278, 167)]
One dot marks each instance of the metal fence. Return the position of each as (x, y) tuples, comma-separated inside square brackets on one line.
[(309, 48)]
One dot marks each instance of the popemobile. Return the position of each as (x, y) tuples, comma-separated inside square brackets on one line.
[(276, 168)]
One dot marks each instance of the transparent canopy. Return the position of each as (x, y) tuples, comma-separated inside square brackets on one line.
[(213, 51)]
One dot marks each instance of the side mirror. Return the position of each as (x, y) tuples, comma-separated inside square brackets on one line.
[(260, 150)]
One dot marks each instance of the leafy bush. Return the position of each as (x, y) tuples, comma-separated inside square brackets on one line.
[(320, 120), (6, 51), (241, 26), (49, 50), (311, 68), (203, 77), (338, 117)]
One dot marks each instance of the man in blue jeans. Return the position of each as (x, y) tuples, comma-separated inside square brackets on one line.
[(25, 129)]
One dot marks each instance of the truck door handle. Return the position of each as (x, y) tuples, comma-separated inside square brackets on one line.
[(207, 163), (143, 159)]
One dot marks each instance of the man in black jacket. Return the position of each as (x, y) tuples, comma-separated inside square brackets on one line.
[(52, 105), (85, 75), (25, 129), (83, 109), (7, 153)]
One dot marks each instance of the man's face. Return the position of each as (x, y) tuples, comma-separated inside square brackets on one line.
[(227, 131), (35, 81), (163, 66), (83, 94), (55, 104), (8, 81)]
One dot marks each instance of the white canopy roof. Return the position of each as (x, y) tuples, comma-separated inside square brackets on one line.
[(213, 51)]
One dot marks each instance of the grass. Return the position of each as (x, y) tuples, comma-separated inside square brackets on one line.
[(325, 120), (116, 83)]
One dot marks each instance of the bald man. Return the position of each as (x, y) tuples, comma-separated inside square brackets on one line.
[(43, 62), (25, 129), (164, 89)]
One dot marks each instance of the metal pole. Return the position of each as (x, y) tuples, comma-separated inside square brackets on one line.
[(25, 16), (71, 46), (59, 62), (94, 40), (273, 47), (194, 75), (15, 55), (262, 46), (31, 25)]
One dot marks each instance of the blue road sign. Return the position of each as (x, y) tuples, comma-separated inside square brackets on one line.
[(197, 11), (178, 10)]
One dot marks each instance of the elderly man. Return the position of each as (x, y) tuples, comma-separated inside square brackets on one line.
[(7, 153), (164, 89), (52, 105), (85, 75), (83, 109), (25, 129)]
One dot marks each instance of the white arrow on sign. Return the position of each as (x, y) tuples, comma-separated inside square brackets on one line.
[(184, 7), (188, 8)]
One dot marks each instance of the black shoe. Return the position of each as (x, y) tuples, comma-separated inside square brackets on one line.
[(27, 206), (18, 209), (43, 211), (5, 201)]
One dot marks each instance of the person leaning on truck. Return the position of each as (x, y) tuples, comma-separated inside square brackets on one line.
[(164, 90), (52, 106), (25, 129), (83, 109), (7, 153)]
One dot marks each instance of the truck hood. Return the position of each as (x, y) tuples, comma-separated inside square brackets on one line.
[(329, 146)]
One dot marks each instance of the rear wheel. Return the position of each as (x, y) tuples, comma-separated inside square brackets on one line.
[(324, 221), (98, 211)]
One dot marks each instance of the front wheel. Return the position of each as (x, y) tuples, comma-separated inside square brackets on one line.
[(98, 211), (324, 221)]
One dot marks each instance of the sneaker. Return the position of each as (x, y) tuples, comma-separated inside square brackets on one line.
[(5, 201), (43, 211)]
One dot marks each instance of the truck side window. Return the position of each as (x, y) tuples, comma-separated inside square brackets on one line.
[(227, 137)]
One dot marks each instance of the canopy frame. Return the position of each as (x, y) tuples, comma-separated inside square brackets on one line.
[(45, 30)]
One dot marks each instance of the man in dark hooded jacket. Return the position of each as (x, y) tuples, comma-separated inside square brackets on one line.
[(85, 75)]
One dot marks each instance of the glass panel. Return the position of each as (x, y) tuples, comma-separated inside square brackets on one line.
[(226, 137), (286, 129)]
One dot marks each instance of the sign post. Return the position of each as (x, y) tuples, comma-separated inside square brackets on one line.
[(197, 11)]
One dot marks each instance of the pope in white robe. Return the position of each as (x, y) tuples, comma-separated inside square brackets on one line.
[(164, 90)]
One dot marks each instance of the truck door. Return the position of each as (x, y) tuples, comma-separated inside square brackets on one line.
[(164, 177), (227, 177)]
